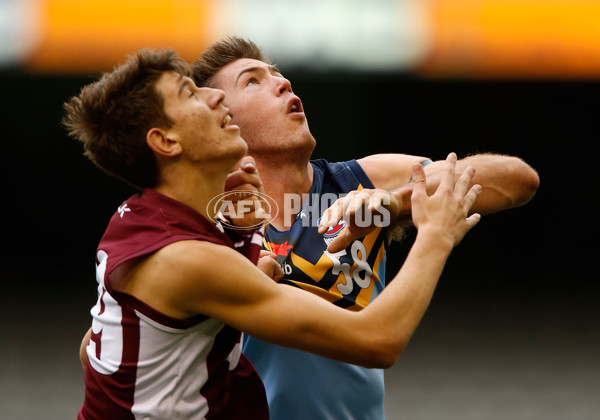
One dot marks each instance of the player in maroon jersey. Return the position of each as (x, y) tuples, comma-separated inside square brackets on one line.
[(176, 286)]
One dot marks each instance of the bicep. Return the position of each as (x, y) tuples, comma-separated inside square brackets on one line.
[(389, 170)]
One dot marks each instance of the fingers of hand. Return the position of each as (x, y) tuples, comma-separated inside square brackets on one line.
[(419, 189), (246, 164), (278, 273), (332, 215), (452, 201), (467, 204), (357, 205), (266, 253), (242, 192), (449, 173), (357, 202), (471, 196), (384, 199), (343, 207), (348, 201), (244, 176), (235, 179), (270, 267), (240, 180), (402, 197), (341, 241), (379, 199), (462, 183), (473, 219)]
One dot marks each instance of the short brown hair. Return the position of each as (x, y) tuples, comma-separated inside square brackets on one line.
[(226, 51), (112, 116)]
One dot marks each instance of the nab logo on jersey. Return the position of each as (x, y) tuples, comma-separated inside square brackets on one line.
[(280, 249), (333, 231)]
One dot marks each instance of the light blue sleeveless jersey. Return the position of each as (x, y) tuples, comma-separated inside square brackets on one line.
[(301, 385)]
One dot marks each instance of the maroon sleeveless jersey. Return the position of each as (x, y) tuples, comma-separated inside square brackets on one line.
[(143, 364)]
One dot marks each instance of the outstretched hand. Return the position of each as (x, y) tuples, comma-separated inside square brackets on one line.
[(363, 211), (447, 210)]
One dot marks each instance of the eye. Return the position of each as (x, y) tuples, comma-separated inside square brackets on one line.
[(252, 81)]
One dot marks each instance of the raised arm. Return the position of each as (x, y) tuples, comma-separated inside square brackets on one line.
[(219, 282), (506, 181)]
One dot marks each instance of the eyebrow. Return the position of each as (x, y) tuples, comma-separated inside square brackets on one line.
[(271, 68)]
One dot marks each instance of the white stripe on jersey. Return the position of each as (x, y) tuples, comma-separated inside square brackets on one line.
[(106, 321), (171, 372), (257, 239)]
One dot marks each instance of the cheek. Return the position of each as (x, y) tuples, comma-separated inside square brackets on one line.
[(244, 109), (246, 117)]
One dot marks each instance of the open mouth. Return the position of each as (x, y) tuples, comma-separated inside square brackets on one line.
[(295, 105), (226, 121)]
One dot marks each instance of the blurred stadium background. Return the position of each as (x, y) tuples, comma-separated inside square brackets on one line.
[(513, 330)]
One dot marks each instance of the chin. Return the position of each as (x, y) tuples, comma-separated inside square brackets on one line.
[(306, 145), (239, 144), (240, 150)]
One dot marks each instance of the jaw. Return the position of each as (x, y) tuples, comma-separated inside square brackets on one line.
[(293, 152)]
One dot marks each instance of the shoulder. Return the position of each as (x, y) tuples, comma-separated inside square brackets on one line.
[(147, 223), (344, 176), (334, 168)]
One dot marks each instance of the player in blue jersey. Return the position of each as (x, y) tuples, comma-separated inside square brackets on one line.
[(351, 273)]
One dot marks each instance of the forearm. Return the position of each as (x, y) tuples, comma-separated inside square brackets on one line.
[(506, 181), (387, 324), (401, 306), (442, 220), (377, 335)]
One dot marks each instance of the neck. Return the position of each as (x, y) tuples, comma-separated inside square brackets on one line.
[(194, 188), (281, 179)]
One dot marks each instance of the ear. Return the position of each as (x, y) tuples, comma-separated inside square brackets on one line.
[(159, 141)]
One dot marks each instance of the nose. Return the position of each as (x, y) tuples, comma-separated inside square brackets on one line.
[(214, 97), (282, 85)]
